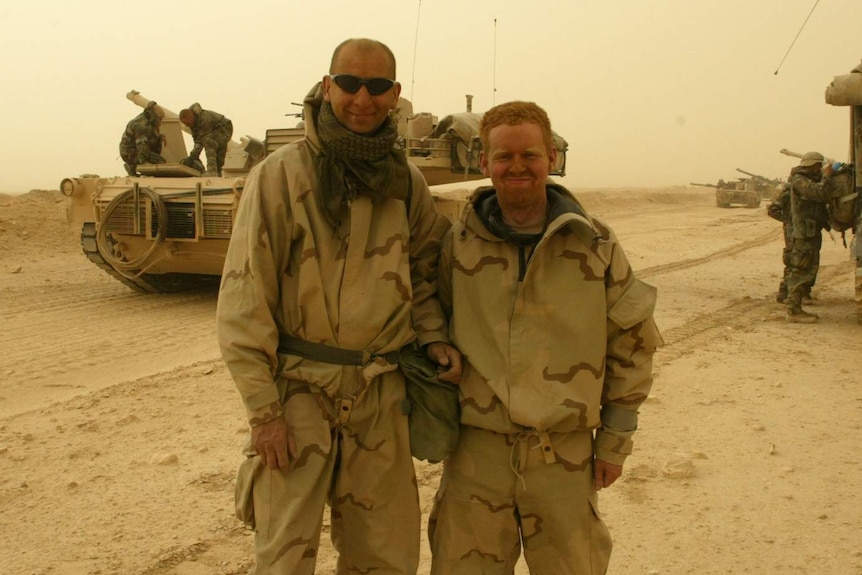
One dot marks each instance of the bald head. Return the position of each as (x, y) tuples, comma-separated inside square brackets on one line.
[(364, 47)]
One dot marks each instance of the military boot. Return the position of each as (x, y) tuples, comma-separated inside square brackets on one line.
[(212, 167), (800, 316), (130, 169)]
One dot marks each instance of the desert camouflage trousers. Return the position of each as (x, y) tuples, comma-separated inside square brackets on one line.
[(787, 259), (361, 467), (499, 492), (803, 264), (215, 147)]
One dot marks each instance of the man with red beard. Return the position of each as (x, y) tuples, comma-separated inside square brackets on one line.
[(557, 336)]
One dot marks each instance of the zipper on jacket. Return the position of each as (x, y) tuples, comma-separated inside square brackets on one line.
[(524, 260)]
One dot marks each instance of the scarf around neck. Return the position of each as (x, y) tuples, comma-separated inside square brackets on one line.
[(350, 164)]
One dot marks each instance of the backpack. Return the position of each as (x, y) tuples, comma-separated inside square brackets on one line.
[(842, 205)]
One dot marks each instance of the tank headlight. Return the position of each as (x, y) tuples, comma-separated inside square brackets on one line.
[(67, 186)]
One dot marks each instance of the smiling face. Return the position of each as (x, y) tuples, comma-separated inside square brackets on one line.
[(361, 112), (518, 160)]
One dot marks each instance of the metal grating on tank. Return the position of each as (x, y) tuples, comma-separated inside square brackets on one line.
[(122, 219), (218, 223), (181, 222)]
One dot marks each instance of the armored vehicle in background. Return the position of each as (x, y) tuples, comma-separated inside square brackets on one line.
[(846, 210), (767, 188), (168, 229), (740, 192)]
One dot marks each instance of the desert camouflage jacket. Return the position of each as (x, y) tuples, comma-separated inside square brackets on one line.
[(208, 124), (808, 199), (557, 336), (140, 139), (371, 287)]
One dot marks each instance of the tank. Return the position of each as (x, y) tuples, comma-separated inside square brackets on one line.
[(168, 229), (766, 188), (846, 209), (727, 193)]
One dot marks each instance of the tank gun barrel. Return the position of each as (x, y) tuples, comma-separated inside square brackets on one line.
[(758, 179), (141, 101), (755, 176), (702, 185), (787, 152)]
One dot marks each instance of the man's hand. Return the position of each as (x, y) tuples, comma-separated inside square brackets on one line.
[(606, 473), (828, 170), (274, 442), (448, 359)]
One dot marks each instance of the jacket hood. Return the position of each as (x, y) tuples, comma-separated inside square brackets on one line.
[(196, 109), (310, 109)]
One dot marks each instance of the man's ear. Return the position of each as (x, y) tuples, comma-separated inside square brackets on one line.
[(552, 159), (397, 89), (483, 162), (326, 86)]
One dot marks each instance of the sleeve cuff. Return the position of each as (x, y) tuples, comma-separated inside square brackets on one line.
[(613, 446)]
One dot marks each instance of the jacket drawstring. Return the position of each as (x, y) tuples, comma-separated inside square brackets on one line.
[(521, 445)]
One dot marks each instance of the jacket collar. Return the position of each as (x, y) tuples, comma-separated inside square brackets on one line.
[(564, 210)]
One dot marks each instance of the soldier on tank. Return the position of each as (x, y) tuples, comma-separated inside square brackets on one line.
[(558, 337), (810, 189), (141, 142), (211, 133)]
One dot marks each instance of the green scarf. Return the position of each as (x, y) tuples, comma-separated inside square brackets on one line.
[(350, 164)]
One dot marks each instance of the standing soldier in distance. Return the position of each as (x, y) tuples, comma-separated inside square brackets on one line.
[(333, 256), (779, 209), (141, 142), (810, 190), (211, 133)]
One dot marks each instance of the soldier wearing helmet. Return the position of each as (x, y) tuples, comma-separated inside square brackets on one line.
[(810, 189), (141, 142)]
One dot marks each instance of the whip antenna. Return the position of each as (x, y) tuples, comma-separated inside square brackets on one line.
[(494, 67), (415, 43), (797, 36)]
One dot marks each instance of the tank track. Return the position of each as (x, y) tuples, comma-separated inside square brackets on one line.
[(144, 283)]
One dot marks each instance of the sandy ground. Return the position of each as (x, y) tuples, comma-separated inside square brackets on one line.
[(120, 430)]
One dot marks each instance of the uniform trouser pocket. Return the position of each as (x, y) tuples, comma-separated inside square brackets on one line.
[(248, 471)]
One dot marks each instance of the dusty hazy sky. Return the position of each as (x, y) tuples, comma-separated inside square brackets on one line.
[(648, 93)]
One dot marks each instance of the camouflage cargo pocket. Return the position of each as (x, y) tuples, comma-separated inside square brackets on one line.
[(244, 490)]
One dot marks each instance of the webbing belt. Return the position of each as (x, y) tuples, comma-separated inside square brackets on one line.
[(329, 354)]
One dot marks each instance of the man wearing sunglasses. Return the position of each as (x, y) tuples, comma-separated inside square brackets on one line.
[(331, 270)]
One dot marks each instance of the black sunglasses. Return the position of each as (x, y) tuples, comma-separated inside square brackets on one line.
[(352, 84)]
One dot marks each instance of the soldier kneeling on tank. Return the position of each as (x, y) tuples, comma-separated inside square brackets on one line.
[(141, 142)]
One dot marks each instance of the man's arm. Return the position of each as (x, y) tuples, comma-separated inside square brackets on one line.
[(632, 340), (245, 315), (808, 189), (427, 228)]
